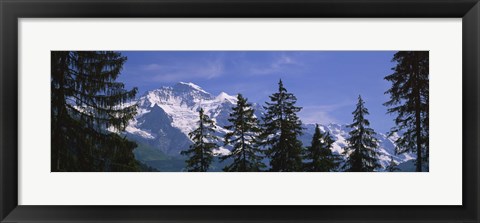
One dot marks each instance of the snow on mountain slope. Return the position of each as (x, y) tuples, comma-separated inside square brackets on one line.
[(166, 116), (340, 134), (183, 101)]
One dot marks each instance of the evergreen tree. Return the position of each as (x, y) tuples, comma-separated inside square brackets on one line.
[(244, 139), (392, 167), (319, 156), (362, 144), (85, 101), (409, 100), (201, 151), (281, 128)]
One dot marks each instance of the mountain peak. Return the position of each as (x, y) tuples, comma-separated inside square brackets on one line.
[(189, 85), (224, 96)]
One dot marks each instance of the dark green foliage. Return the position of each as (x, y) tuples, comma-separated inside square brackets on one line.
[(201, 151), (146, 168), (362, 144), (392, 167), (244, 139), (281, 128), (319, 156), (146, 152), (85, 101), (409, 100), (172, 164)]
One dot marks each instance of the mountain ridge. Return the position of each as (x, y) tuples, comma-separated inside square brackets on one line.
[(166, 115)]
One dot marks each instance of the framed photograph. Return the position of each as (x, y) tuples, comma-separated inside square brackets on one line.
[(226, 111)]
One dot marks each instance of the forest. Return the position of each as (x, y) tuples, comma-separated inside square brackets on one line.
[(89, 107)]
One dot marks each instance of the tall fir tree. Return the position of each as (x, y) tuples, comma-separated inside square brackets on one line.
[(243, 136), (362, 144), (409, 101), (319, 156), (201, 151), (281, 129), (392, 166), (85, 101)]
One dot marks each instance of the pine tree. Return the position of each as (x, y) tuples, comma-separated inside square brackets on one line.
[(319, 155), (281, 128), (409, 100), (85, 101), (201, 151), (362, 144), (392, 167), (244, 139)]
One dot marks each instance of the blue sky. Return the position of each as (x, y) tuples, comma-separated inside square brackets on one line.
[(326, 83)]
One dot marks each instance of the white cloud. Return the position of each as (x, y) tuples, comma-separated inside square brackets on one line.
[(284, 59), (317, 117), (321, 114), (152, 67), (183, 71), (275, 66)]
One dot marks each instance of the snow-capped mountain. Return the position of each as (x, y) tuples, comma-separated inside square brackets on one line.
[(182, 102), (340, 133), (166, 116)]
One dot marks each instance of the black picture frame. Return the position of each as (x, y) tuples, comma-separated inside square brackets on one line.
[(12, 10)]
